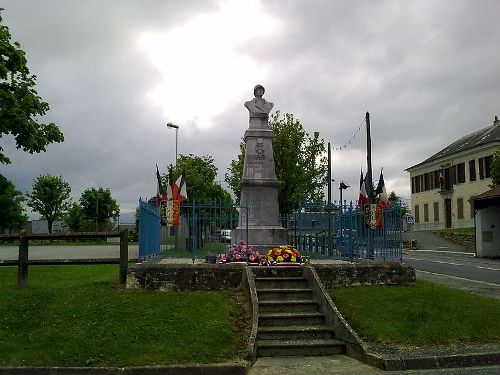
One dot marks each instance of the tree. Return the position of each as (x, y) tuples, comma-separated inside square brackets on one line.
[(12, 216), (98, 205), (200, 179), (50, 197), (20, 105), (495, 169), (74, 217), (300, 163), (395, 201)]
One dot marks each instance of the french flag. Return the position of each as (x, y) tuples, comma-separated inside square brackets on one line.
[(382, 192), (179, 189), (363, 197)]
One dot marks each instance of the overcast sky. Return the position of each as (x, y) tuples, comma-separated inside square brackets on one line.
[(115, 72)]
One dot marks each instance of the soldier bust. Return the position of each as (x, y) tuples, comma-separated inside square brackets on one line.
[(258, 106)]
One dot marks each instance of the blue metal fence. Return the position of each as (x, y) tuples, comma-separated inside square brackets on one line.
[(340, 232), (149, 230)]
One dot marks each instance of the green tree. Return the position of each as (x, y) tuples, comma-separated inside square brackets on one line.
[(299, 159), (74, 217), (12, 216), (201, 173), (50, 197), (20, 105), (495, 169), (395, 200), (98, 204)]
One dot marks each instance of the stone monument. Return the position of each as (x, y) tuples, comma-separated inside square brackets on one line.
[(259, 186)]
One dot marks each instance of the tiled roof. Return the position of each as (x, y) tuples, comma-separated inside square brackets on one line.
[(493, 193), (473, 140)]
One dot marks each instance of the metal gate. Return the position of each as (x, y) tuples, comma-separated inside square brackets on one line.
[(205, 228), (149, 230), (319, 230)]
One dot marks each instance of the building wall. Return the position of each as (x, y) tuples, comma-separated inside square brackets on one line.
[(488, 232), (428, 205)]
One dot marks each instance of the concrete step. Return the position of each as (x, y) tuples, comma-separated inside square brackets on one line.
[(283, 348), (291, 319), (281, 282), (288, 306), (295, 332), (277, 271), (285, 294)]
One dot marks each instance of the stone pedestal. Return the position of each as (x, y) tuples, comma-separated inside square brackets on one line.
[(259, 186)]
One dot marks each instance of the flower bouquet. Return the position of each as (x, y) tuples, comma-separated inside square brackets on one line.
[(240, 253), (282, 255)]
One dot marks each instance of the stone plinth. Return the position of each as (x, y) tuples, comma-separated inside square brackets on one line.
[(259, 186)]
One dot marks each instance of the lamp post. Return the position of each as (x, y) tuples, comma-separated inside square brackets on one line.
[(176, 127)]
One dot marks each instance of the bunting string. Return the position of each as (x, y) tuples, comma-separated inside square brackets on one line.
[(349, 141)]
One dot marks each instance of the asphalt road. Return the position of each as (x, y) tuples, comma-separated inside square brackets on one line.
[(69, 252), (444, 262)]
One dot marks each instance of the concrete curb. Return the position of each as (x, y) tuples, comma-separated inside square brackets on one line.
[(240, 368), (432, 362)]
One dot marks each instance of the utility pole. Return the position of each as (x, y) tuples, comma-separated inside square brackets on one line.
[(329, 175), (97, 214), (329, 203)]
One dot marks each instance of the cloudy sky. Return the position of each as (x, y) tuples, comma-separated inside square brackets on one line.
[(115, 72)]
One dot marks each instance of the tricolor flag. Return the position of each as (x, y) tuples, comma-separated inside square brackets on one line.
[(179, 189), (159, 189), (363, 197), (382, 192)]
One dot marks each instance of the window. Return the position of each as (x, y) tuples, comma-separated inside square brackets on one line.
[(426, 213), (435, 180), (481, 168), (453, 175), (427, 181), (461, 173), (460, 208), (417, 184), (417, 214), (487, 166), (436, 211), (472, 170)]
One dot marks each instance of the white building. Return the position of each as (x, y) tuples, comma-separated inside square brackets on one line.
[(443, 184)]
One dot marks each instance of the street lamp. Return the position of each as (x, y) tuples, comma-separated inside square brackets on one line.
[(176, 127), (342, 186)]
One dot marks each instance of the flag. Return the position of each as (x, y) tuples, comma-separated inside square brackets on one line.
[(442, 182), (381, 191), (179, 189), (159, 189), (363, 197)]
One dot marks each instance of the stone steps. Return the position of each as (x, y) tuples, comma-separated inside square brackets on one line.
[(306, 347), (290, 319), (295, 332)]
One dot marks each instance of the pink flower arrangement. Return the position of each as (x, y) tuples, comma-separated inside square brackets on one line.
[(239, 253)]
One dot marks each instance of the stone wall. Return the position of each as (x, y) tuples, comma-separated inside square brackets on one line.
[(176, 277), (365, 273)]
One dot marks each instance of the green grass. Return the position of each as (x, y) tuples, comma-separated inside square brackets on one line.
[(424, 313), (78, 315)]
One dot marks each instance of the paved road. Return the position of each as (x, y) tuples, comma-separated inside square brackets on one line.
[(341, 364), (69, 252), (445, 262)]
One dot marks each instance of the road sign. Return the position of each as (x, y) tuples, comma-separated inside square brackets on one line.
[(409, 220)]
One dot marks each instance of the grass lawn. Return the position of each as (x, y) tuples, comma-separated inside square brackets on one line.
[(209, 247), (469, 230), (424, 313), (78, 315)]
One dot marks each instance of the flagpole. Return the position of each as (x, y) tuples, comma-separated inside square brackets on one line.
[(369, 159), (369, 249)]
